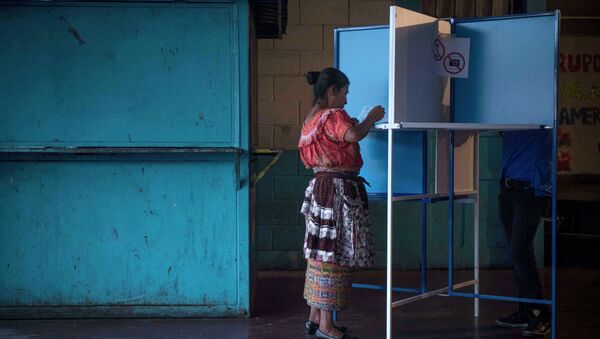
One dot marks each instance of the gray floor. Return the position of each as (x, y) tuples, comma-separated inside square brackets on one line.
[(281, 311)]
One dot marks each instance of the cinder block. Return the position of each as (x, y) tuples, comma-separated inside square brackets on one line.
[(264, 188), (286, 137), (410, 212), (307, 104), (377, 210), (437, 258), (278, 113), (305, 108), (289, 188), (328, 38), (489, 190), (292, 88), (265, 239), (293, 12), (278, 62), (288, 238), (380, 259), (301, 37), (260, 162), (490, 157), (493, 237), (315, 60), (278, 260), (286, 165), (254, 112), (497, 258), (302, 170), (324, 12), (371, 12), (265, 44), (379, 238), (265, 136), (265, 88), (277, 212)]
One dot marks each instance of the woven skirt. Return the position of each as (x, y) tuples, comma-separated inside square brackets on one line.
[(327, 286), (336, 212)]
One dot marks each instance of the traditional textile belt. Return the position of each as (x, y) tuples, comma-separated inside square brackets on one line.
[(334, 169), (513, 184), (348, 175)]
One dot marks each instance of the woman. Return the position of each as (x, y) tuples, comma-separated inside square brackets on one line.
[(335, 206)]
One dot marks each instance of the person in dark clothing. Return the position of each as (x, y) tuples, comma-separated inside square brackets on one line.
[(525, 189)]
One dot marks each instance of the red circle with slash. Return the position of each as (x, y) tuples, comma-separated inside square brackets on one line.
[(454, 60)]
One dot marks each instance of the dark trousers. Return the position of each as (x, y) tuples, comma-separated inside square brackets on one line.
[(520, 214)]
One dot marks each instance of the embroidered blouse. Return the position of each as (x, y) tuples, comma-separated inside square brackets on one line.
[(322, 141)]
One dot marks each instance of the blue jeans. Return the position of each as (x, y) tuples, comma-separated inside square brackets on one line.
[(520, 214)]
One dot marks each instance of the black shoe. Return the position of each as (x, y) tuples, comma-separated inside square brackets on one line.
[(538, 327), (517, 319), (322, 335), (312, 327)]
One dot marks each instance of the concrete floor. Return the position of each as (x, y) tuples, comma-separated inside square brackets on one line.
[(281, 312)]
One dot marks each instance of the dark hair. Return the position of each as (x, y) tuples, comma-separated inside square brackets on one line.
[(321, 81)]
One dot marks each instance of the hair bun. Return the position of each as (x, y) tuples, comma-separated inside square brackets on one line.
[(312, 77)]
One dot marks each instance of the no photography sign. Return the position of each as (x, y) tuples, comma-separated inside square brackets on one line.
[(450, 56)]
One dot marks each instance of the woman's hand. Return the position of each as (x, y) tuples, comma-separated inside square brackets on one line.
[(359, 131), (376, 114)]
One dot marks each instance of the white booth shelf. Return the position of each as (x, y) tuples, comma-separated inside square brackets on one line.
[(456, 126)]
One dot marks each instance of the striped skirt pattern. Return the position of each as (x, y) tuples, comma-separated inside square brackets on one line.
[(336, 211), (327, 286)]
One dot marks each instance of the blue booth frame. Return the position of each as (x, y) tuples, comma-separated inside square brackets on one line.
[(450, 290)]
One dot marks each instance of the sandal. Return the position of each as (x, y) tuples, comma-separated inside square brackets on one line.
[(322, 335), (312, 327)]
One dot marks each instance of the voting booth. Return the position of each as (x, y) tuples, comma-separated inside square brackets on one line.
[(454, 78)]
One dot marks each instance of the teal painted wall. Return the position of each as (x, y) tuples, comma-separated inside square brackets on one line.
[(121, 228), (280, 226), (121, 74), (141, 233)]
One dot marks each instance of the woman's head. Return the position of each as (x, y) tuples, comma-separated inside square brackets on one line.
[(330, 87)]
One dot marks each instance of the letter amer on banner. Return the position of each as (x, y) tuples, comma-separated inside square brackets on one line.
[(450, 56)]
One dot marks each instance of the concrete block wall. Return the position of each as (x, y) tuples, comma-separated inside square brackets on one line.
[(284, 95)]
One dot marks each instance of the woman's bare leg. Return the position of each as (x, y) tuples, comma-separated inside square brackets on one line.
[(315, 315), (326, 325)]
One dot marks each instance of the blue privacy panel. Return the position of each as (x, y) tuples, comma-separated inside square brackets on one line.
[(362, 54), (512, 70), (407, 167), (107, 74), (122, 234)]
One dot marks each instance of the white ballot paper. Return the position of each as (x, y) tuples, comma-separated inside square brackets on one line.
[(365, 111)]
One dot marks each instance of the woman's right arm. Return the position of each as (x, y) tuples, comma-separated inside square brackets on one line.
[(359, 131)]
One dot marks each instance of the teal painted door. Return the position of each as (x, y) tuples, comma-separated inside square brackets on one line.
[(124, 160)]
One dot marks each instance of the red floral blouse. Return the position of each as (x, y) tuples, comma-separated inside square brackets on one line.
[(322, 141)]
